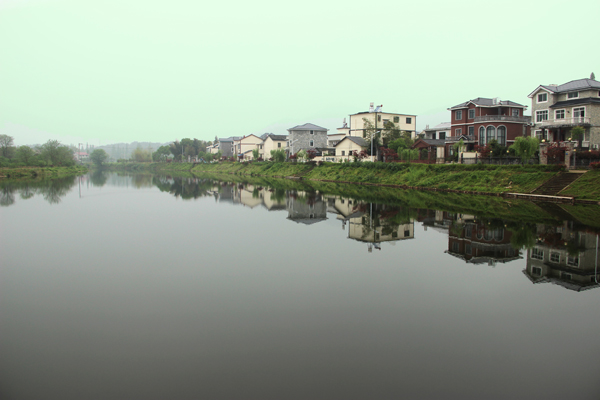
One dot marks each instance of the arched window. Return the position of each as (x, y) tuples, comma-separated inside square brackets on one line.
[(491, 134), (482, 136), (501, 135)]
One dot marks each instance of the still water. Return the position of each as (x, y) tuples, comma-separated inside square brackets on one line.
[(158, 287)]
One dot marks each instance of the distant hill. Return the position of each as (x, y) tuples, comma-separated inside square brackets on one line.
[(118, 151)]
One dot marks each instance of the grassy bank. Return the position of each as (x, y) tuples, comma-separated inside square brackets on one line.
[(470, 178), (40, 172)]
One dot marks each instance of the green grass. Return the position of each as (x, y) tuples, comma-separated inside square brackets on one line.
[(585, 188), (41, 172)]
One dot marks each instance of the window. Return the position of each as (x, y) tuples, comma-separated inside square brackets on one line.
[(409, 120), (471, 131), (573, 261), (260, 146), (385, 121), (406, 233), (458, 132), (458, 114), (379, 118), (515, 112), (278, 145), (490, 134), (468, 231), (537, 254), (482, 136), (542, 97), (468, 249), (566, 276), (472, 113), (343, 153), (579, 112), (312, 132), (455, 247), (311, 143), (536, 271), (541, 116), (559, 114), (554, 257), (501, 136), (572, 95), (396, 119), (442, 135)]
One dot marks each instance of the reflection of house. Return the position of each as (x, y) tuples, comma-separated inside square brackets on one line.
[(306, 208), (556, 109), (379, 223), (479, 243), (563, 257)]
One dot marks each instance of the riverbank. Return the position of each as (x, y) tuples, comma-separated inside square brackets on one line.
[(40, 172), (471, 179)]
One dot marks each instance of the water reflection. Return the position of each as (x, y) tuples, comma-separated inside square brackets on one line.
[(52, 190)]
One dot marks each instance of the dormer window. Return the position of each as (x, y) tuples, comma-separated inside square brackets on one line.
[(542, 97), (572, 95)]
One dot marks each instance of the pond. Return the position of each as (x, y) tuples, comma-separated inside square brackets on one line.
[(117, 286)]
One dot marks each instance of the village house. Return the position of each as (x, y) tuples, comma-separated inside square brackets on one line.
[(345, 147), (440, 131), (556, 109), (305, 137), (482, 120), (243, 146), (431, 151), (378, 119), (226, 146), (272, 142)]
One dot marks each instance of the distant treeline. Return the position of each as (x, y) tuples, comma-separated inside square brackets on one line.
[(51, 153)]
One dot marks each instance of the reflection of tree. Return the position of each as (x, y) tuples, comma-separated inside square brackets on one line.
[(186, 188), (523, 235), (56, 189), (7, 196), (98, 177), (52, 189)]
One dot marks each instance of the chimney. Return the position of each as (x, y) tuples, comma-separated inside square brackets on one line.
[(371, 108)]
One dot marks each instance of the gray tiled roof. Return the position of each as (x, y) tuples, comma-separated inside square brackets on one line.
[(358, 140), (486, 102), (308, 127), (277, 137), (583, 100), (230, 139), (576, 85), (435, 142)]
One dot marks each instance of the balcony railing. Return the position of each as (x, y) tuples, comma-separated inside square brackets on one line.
[(564, 122), (470, 138), (507, 118)]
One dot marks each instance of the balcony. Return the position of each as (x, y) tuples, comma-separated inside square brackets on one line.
[(506, 118), (565, 122), (469, 138)]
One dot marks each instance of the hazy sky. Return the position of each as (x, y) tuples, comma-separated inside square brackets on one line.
[(125, 70)]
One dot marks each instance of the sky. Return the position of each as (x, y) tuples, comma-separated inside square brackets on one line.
[(101, 72)]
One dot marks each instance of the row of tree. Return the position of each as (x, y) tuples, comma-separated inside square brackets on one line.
[(51, 153)]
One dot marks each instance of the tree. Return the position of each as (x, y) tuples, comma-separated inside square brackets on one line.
[(98, 157), (577, 133), (161, 154), (255, 154), (278, 155), (57, 154), (141, 155), (525, 147), (6, 143), (25, 154)]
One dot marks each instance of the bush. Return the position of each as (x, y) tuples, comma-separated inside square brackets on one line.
[(595, 165)]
